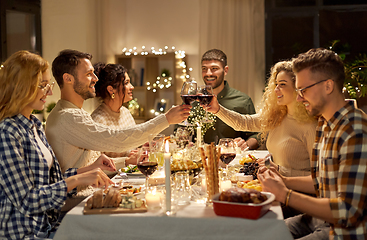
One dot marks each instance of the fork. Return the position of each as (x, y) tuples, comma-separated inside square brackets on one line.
[(267, 161)]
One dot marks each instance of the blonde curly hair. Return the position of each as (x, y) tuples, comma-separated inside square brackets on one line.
[(20, 75), (272, 114)]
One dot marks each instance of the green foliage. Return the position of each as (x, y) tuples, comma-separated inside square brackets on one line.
[(196, 116), (50, 107), (355, 70)]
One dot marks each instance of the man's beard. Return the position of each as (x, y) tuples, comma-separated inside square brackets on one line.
[(80, 89), (317, 110), (217, 82)]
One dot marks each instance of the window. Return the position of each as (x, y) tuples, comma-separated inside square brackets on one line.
[(295, 26), (21, 27)]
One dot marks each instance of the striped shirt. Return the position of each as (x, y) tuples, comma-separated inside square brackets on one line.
[(339, 170), (31, 193)]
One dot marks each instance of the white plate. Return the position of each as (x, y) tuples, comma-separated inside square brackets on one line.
[(255, 153)]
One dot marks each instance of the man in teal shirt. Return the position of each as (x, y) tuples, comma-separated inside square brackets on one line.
[(213, 69)]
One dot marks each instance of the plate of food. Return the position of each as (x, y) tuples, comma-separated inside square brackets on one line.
[(131, 170), (242, 203)]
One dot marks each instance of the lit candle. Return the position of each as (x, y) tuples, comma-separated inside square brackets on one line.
[(153, 199), (167, 168), (203, 185), (198, 137), (224, 185)]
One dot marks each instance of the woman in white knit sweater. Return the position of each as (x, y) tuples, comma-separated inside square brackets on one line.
[(114, 89), (284, 124)]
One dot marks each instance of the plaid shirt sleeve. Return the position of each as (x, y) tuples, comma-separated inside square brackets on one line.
[(22, 185), (350, 205), (340, 170)]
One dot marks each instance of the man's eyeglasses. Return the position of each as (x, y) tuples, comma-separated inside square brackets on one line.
[(46, 89), (300, 92)]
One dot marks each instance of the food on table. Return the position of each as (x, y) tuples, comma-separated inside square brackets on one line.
[(111, 199), (178, 164), (241, 177), (130, 169), (210, 159), (242, 195), (247, 159), (129, 190), (254, 184), (131, 202), (250, 169)]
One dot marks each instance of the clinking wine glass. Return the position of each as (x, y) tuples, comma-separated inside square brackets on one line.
[(205, 96), (227, 150), (188, 96), (145, 165)]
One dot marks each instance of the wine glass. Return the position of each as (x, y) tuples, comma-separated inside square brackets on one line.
[(145, 165), (227, 150), (205, 96), (156, 143), (188, 96)]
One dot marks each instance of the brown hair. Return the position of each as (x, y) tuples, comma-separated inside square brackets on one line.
[(215, 54), (323, 62), (66, 62)]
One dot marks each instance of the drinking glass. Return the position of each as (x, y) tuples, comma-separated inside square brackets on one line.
[(188, 96), (156, 145), (145, 165), (227, 150), (182, 188), (205, 96)]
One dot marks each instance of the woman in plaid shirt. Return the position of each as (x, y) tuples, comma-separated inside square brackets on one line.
[(32, 187)]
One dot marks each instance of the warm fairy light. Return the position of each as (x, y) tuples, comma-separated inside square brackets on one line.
[(163, 81)]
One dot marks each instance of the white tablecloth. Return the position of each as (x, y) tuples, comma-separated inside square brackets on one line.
[(195, 221)]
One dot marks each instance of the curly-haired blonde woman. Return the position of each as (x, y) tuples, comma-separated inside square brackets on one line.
[(284, 124)]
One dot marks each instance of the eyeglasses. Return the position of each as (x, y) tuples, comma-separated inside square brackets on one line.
[(46, 89), (300, 92)]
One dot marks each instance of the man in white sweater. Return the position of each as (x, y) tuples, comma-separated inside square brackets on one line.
[(73, 135)]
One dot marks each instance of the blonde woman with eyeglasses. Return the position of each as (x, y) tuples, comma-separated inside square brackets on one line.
[(32, 186), (284, 124)]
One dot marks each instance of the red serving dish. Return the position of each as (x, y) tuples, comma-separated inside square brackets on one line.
[(242, 210)]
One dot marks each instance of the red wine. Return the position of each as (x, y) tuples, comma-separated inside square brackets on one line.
[(205, 99), (226, 158), (147, 168), (188, 99)]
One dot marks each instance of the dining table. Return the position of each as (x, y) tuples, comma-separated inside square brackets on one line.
[(197, 220)]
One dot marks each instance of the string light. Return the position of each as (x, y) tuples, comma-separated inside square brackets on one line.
[(163, 81)]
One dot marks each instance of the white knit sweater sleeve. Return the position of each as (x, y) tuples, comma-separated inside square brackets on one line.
[(78, 128), (239, 122)]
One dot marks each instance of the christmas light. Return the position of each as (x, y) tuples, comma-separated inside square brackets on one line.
[(163, 81)]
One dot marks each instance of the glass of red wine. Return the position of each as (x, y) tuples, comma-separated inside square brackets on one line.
[(205, 96), (227, 150), (145, 165), (188, 96)]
